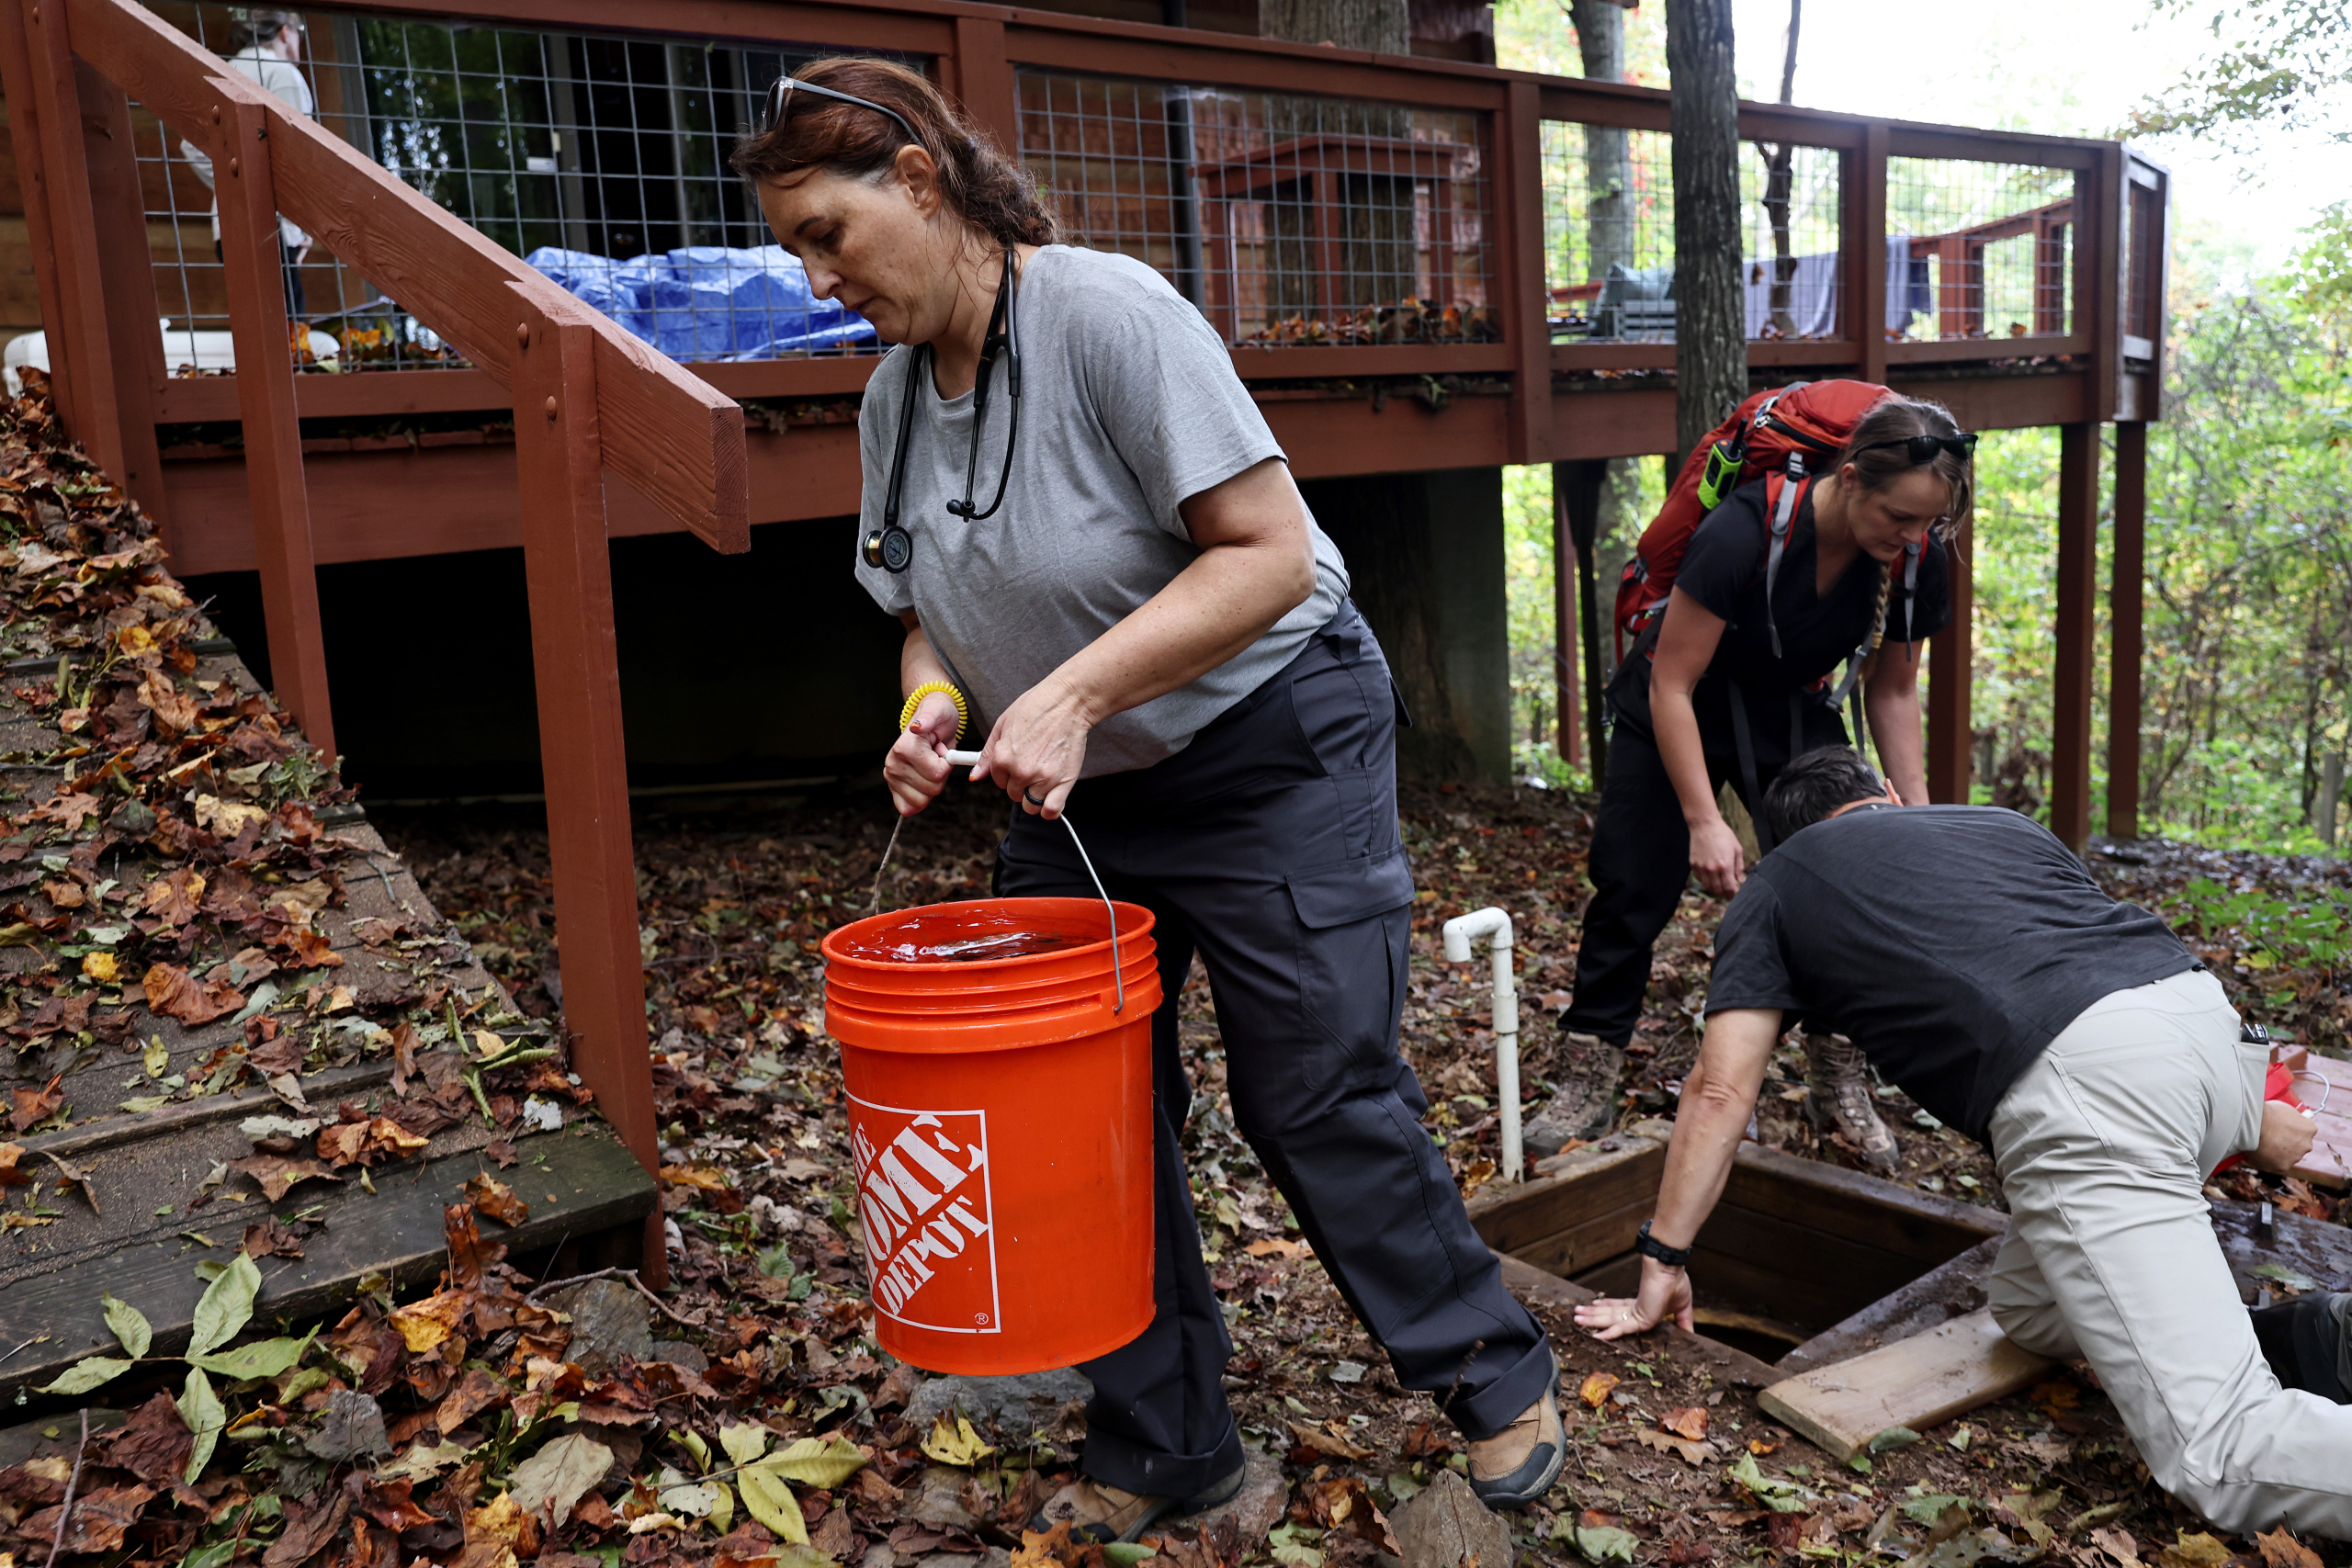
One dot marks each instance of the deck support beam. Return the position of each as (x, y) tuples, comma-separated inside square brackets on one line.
[(567, 564), (2070, 741), (253, 270), (2125, 605), (1952, 668)]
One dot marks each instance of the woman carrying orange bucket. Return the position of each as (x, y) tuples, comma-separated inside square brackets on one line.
[(1096, 546)]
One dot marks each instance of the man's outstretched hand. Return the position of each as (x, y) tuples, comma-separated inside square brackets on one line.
[(1665, 1294)]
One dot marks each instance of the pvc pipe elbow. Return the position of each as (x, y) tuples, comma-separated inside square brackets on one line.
[(1464, 929)]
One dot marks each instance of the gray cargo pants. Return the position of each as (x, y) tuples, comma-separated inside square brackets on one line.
[(2102, 1148)]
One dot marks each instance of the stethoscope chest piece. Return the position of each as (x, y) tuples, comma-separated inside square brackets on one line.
[(891, 549)]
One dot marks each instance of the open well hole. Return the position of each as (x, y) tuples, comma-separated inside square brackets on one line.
[(1795, 1249)]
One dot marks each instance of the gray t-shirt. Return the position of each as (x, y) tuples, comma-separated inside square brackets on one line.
[(1129, 405)]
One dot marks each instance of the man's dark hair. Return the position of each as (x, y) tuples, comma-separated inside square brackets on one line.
[(1815, 784)]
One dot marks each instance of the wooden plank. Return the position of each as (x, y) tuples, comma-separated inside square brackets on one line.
[(1935, 1298), (125, 286), (1920, 1383), (2330, 1161), (677, 438), (1960, 351), (984, 80), (1596, 1179), (1858, 1207), (2126, 599), (1862, 221), (1517, 134), (1951, 679), (1594, 1240), (32, 183), (250, 254), (77, 338), (575, 660), (1835, 1268), (395, 1231)]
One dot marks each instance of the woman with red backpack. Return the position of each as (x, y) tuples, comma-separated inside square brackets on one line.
[(1785, 577)]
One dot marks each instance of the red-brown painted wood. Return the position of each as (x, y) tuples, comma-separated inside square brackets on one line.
[(258, 325), (126, 287), (1864, 242), (79, 338), (32, 184), (567, 563), (2070, 742), (1951, 655), (1516, 135), (2125, 595)]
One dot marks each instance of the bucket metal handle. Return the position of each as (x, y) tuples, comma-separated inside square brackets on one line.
[(969, 759), (1117, 978)]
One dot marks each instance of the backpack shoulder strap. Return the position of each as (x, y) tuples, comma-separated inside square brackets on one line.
[(1781, 493)]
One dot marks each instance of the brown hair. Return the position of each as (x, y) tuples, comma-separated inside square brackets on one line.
[(1876, 466), (986, 189), (257, 27)]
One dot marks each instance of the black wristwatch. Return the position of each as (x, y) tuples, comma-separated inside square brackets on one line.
[(1649, 1246)]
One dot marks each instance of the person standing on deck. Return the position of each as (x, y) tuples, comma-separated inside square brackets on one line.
[(269, 50), (1096, 548), (1728, 693)]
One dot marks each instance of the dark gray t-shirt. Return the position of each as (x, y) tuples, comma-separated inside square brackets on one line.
[(1951, 943), (1129, 405)]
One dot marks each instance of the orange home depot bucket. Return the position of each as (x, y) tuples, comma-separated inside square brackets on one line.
[(1000, 1124)]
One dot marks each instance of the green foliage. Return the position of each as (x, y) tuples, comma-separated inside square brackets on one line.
[(2313, 930), (2279, 65)]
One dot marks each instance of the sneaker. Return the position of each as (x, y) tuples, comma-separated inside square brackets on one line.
[(1838, 1097), (1519, 1465), (1102, 1515), (2308, 1342), (1586, 1105)]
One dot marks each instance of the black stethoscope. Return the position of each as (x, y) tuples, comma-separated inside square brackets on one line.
[(891, 547)]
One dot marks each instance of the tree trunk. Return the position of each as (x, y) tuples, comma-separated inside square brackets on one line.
[(1710, 309), (1377, 25), (1779, 170)]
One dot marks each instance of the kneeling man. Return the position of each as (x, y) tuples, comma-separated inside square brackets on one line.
[(1978, 963)]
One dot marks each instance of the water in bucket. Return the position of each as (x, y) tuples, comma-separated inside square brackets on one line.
[(1001, 1126)]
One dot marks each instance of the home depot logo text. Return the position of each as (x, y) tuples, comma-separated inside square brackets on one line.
[(923, 1198)]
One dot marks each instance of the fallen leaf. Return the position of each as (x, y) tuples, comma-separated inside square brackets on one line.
[(102, 966), (2198, 1550), (351, 1429), (2280, 1549), (1327, 1439), (953, 1441), (34, 1106), (1688, 1422), (277, 1173), (175, 897), (1597, 1387), (423, 1324), (550, 1482), (9, 1174), (494, 1198), (1666, 1442), (176, 994)]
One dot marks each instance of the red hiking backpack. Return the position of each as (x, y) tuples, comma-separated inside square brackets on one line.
[(1781, 436)]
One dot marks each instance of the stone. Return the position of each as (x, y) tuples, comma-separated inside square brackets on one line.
[(609, 1320), (352, 1426), (1008, 1409), (878, 1555), (678, 1353), (1257, 1508), (936, 1498), (1443, 1525)]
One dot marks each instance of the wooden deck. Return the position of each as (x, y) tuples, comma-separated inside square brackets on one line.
[(146, 1210)]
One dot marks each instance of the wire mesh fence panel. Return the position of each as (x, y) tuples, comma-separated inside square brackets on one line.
[(1609, 235), (600, 160), (1608, 231), (1986, 249), (1285, 220)]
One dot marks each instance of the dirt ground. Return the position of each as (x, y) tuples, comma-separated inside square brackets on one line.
[(736, 895)]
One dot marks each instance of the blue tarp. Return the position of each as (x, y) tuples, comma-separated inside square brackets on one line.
[(706, 302)]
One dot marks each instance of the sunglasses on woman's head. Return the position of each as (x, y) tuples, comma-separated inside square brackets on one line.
[(779, 104), (1922, 449)]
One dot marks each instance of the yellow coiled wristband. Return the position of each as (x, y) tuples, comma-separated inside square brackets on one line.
[(914, 701)]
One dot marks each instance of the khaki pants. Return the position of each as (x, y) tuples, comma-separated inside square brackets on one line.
[(2102, 1148)]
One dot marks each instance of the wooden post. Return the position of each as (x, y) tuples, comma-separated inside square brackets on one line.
[(125, 284), (1576, 488), (1864, 243), (32, 180), (1952, 668), (78, 338), (567, 566), (1567, 570), (1526, 325), (2070, 742), (2125, 601), (984, 82), (281, 505)]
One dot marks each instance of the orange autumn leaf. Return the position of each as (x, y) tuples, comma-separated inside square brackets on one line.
[(494, 1198), (1597, 1387), (37, 1105), (423, 1324), (173, 898), (174, 992), (1691, 1422)]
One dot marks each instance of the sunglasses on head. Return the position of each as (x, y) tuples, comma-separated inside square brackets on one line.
[(1922, 449), (779, 104)]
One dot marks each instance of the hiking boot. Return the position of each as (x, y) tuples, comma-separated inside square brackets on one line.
[(1101, 1514), (1518, 1464), (1586, 1105), (1838, 1098), (2308, 1342)]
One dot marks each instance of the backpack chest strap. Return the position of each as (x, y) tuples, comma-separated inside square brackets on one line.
[(1781, 493)]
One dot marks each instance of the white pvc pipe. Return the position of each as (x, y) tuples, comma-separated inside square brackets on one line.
[(1460, 932), (963, 759)]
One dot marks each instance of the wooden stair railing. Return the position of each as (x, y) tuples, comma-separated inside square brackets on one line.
[(587, 396)]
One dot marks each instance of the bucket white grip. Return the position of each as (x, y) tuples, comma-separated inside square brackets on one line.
[(968, 759)]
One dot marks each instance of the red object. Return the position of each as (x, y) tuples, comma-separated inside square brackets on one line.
[(999, 1116), (2278, 1084), (1810, 419)]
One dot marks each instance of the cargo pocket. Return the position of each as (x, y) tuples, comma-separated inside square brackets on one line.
[(1354, 924)]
